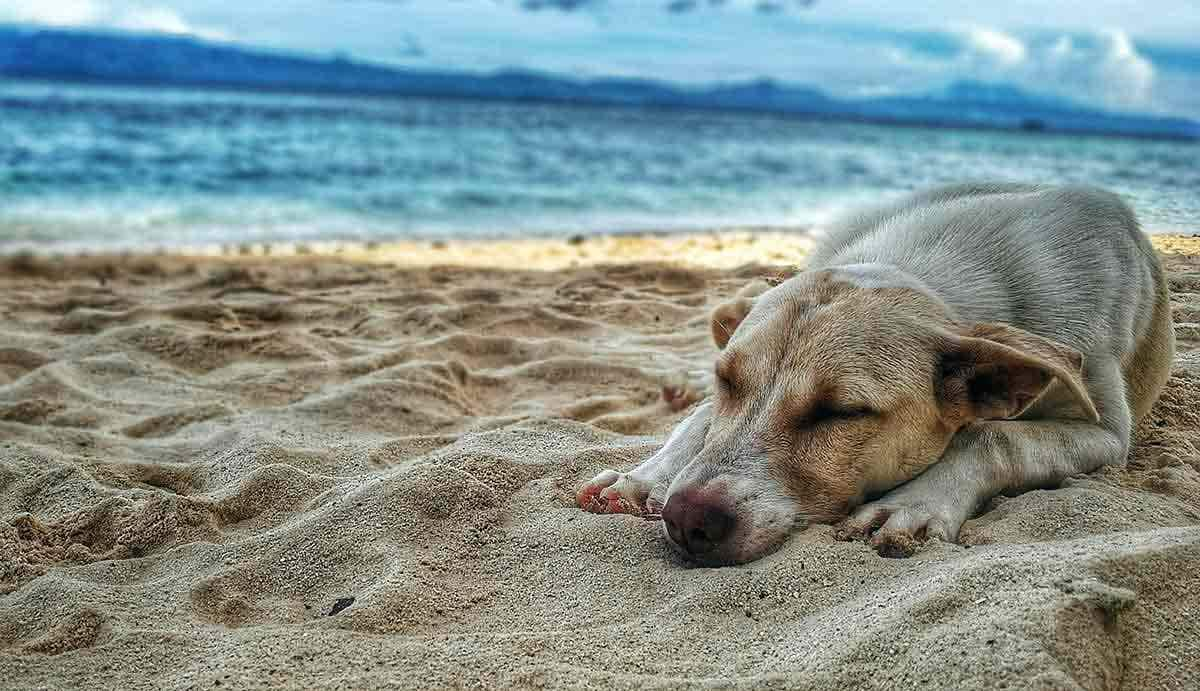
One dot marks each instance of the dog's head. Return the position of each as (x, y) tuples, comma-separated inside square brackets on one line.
[(837, 385)]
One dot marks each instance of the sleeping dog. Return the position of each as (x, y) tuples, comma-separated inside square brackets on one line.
[(959, 344)]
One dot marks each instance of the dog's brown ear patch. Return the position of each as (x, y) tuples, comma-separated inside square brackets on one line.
[(996, 371), (726, 318), (728, 315)]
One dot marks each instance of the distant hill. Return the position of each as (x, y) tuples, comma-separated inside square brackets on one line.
[(168, 60)]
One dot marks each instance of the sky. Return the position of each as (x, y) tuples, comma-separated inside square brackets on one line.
[(1135, 56)]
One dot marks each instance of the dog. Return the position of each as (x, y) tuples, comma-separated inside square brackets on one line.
[(961, 343)]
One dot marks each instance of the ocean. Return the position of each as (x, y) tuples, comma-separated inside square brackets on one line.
[(107, 168)]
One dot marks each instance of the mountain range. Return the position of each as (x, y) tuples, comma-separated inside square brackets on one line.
[(114, 57)]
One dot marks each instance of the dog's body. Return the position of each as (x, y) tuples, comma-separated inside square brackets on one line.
[(961, 343)]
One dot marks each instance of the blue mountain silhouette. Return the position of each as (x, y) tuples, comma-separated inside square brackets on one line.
[(99, 56)]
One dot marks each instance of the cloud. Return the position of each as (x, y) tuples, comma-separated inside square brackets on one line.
[(51, 12), (777, 6), (153, 19), (1103, 68), (681, 6), (96, 13), (673, 6), (163, 21), (410, 47), (994, 45), (563, 5)]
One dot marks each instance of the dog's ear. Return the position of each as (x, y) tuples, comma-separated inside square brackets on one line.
[(728, 315), (996, 371)]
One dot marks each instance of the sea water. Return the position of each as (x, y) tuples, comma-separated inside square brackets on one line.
[(95, 167)]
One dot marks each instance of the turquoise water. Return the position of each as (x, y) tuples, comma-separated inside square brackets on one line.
[(112, 168)]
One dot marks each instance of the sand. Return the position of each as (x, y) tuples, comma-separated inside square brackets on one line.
[(358, 471)]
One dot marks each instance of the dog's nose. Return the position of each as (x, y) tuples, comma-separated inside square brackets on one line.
[(697, 524)]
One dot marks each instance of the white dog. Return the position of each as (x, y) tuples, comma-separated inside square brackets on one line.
[(961, 343)]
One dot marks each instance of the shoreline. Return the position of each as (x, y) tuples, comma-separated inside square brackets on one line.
[(720, 248), (716, 248)]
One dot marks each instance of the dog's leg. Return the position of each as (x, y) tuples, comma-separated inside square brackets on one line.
[(640, 491), (992, 458), (987, 459)]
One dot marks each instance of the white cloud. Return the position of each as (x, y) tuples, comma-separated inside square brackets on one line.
[(995, 46), (162, 20), (1062, 48), (1103, 68), (51, 12), (97, 13), (1123, 65), (158, 19)]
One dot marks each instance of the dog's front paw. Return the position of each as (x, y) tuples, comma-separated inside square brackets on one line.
[(613, 492), (895, 527)]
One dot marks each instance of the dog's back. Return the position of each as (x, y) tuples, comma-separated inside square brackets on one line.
[(1067, 263)]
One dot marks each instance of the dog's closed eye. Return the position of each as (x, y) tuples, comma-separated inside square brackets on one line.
[(826, 413)]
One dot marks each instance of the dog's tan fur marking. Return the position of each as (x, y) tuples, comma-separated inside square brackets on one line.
[(961, 343)]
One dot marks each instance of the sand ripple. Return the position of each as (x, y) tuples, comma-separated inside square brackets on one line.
[(319, 473)]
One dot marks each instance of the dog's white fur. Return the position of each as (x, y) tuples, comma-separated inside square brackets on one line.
[(1053, 294)]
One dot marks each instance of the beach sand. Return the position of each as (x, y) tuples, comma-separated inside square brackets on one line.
[(359, 470)]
